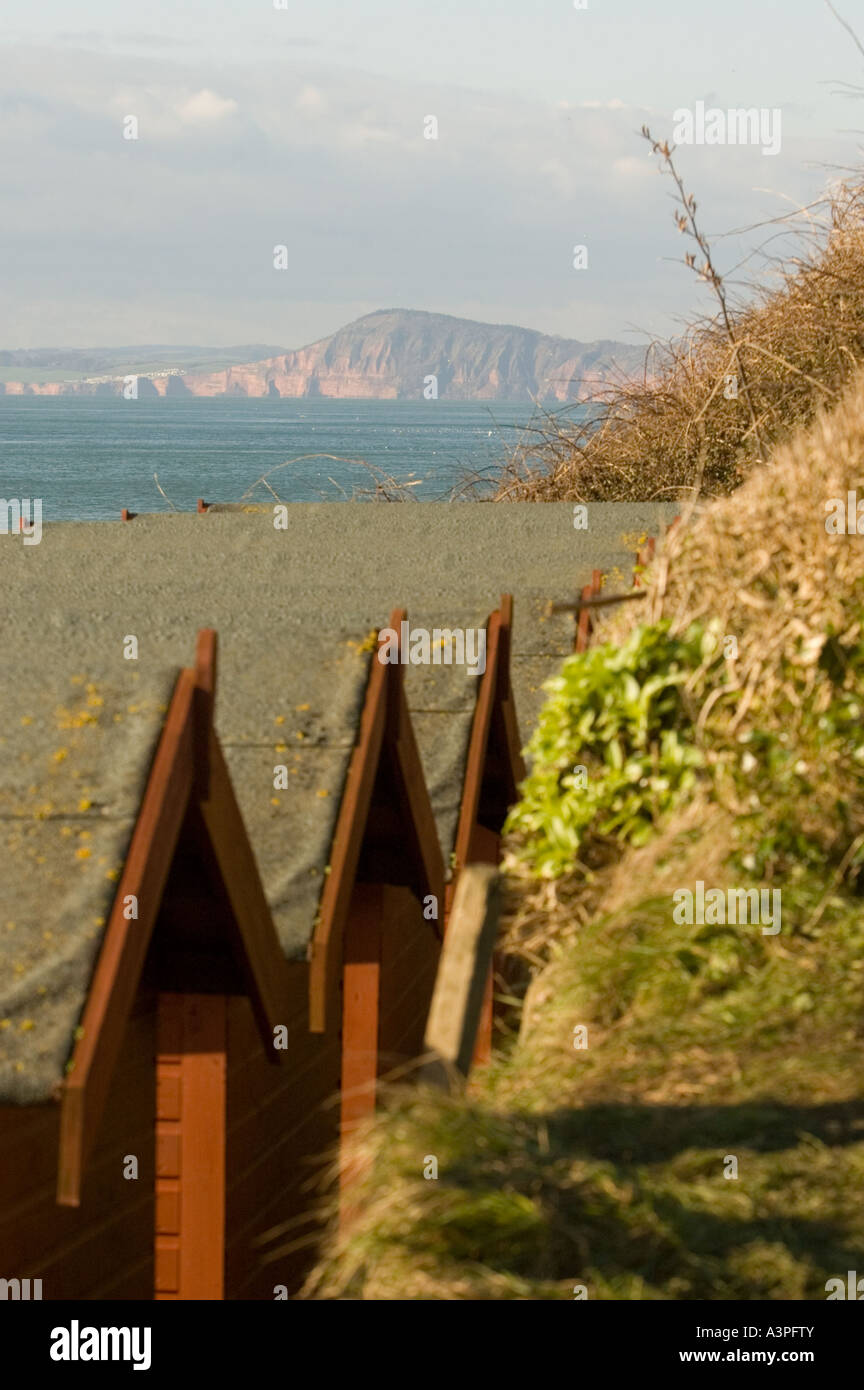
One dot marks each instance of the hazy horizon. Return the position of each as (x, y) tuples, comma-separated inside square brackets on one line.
[(266, 128), (281, 347)]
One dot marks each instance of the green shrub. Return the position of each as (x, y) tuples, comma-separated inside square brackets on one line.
[(617, 712)]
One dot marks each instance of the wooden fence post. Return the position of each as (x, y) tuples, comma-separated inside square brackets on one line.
[(463, 967)]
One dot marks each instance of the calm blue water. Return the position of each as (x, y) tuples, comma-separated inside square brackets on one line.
[(87, 458)]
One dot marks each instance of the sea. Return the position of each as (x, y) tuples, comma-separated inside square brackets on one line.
[(89, 457)]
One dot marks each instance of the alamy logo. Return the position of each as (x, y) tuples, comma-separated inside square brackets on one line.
[(737, 126), (845, 516), (76, 1343), (716, 907), (853, 1288), (16, 518), (20, 1289), (442, 646)]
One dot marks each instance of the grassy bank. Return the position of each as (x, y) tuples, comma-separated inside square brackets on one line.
[(791, 346), (727, 749)]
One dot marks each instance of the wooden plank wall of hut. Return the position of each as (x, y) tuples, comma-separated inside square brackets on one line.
[(281, 1122), (410, 949), (190, 1146), (104, 1247)]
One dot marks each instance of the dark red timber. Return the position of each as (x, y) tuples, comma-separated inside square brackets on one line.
[(493, 771), (175, 1060)]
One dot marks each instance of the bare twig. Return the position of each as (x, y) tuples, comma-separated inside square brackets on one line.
[(164, 494)]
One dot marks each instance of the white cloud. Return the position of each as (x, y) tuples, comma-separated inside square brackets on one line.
[(310, 99), (629, 167), (480, 222), (206, 108)]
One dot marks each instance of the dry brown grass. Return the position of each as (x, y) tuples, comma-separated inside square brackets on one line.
[(762, 568), (673, 433), (538, 913)]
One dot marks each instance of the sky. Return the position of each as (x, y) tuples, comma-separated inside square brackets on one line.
[(303, 126)]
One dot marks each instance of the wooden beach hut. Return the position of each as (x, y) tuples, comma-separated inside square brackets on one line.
[(216, 903)]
